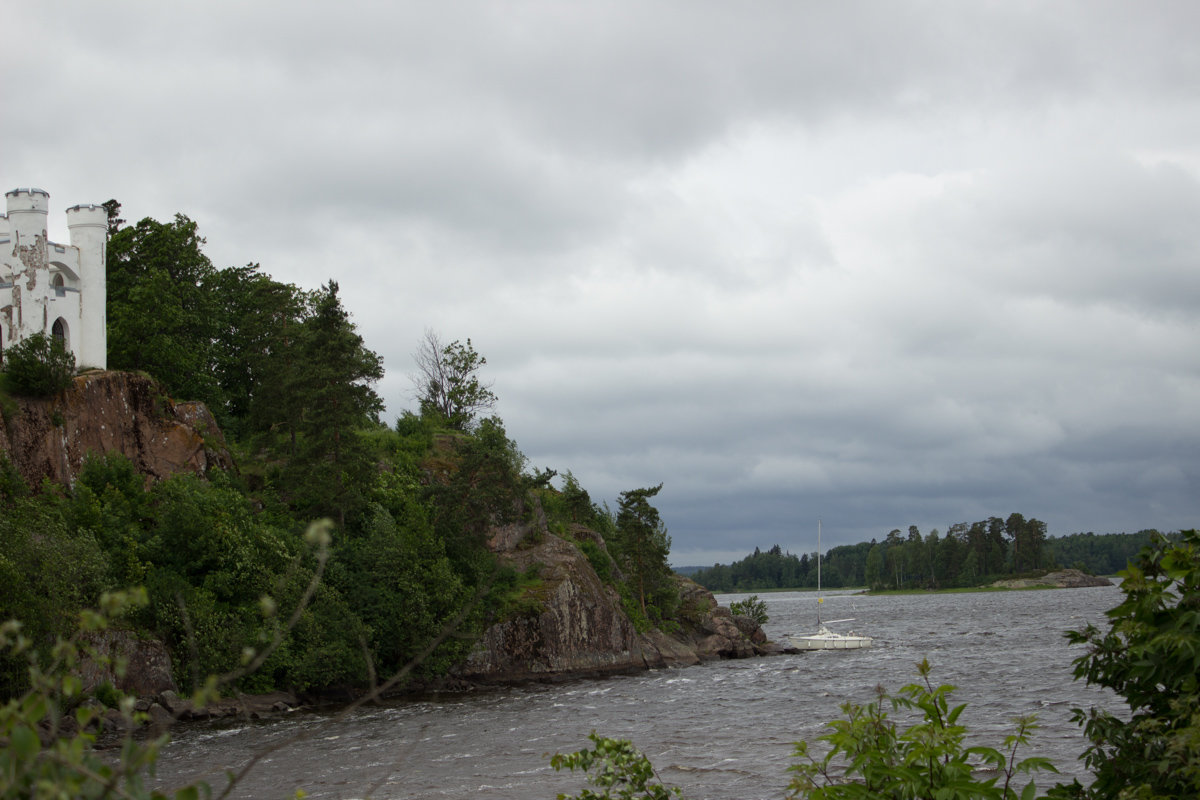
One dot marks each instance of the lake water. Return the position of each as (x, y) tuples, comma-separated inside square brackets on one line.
[(719, 730)]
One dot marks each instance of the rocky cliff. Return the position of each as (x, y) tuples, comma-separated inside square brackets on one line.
[(576, 626), (104, 412)]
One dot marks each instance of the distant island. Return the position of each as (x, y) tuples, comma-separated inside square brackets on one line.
[(967, 555)]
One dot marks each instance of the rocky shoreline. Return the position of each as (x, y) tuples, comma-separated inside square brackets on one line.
[(1062, 579), (579, 632)]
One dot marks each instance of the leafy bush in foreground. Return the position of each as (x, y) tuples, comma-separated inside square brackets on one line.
[(927, 759), (49, 732), (618, 768), (1150, 655)]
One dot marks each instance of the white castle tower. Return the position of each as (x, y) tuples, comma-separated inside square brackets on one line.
[(51, 288)]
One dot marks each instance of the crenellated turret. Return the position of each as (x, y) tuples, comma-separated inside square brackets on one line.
[(27, 213), (88, 225)]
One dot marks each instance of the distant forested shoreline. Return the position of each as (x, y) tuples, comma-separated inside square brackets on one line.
[(968, 554)]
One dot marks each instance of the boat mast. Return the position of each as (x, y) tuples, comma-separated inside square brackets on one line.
[(819, 598)]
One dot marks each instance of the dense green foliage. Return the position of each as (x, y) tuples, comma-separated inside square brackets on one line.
[(1099, 554), (967, 555), (1150, 656), (161, 314), (38, 366), (291, 383)]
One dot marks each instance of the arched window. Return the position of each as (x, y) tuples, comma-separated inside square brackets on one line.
[(60, 285), (59, 331), (5, 321)]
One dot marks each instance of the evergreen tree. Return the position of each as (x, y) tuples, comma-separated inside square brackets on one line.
[(333, 381), (874, 569), (643, 546)]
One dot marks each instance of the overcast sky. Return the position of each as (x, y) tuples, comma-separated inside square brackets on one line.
[(882, 264)]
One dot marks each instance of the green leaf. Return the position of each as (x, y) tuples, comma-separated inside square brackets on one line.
[(24, 743)]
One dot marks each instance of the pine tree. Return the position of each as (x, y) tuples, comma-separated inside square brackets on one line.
[(643, 546), (332, 381)]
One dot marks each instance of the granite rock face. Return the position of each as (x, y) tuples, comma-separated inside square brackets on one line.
[(710, 629), (575, 626), (105, 412), (147, 664)]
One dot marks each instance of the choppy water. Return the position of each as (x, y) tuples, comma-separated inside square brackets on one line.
[(719, 730)]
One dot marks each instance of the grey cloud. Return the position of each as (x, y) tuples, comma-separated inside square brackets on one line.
[(884, 264)]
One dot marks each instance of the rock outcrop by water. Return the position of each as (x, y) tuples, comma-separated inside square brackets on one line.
[(1063, 579), (105, 412), (575, 626)]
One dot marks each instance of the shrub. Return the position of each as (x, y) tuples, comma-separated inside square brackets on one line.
[(49, 734), (39, 366), (1149, 655), (599, 559), (870, 757), (751, 607), (618, 769)]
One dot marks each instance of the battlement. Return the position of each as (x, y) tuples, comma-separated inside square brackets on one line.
[(89, 214), (36, 200)]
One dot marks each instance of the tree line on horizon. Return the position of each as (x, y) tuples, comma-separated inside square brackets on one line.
[(969, 554)]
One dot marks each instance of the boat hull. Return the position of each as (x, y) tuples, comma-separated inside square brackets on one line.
[(830, 643), (825, 639)]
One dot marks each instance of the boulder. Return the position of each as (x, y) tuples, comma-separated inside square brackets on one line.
[(750, 629), (710, 630), (161, 718), (661, 650)]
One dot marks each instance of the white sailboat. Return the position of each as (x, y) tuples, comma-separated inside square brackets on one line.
[(825, 639)]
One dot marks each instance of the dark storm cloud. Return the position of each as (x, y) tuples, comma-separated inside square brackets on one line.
[(882, 263)]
